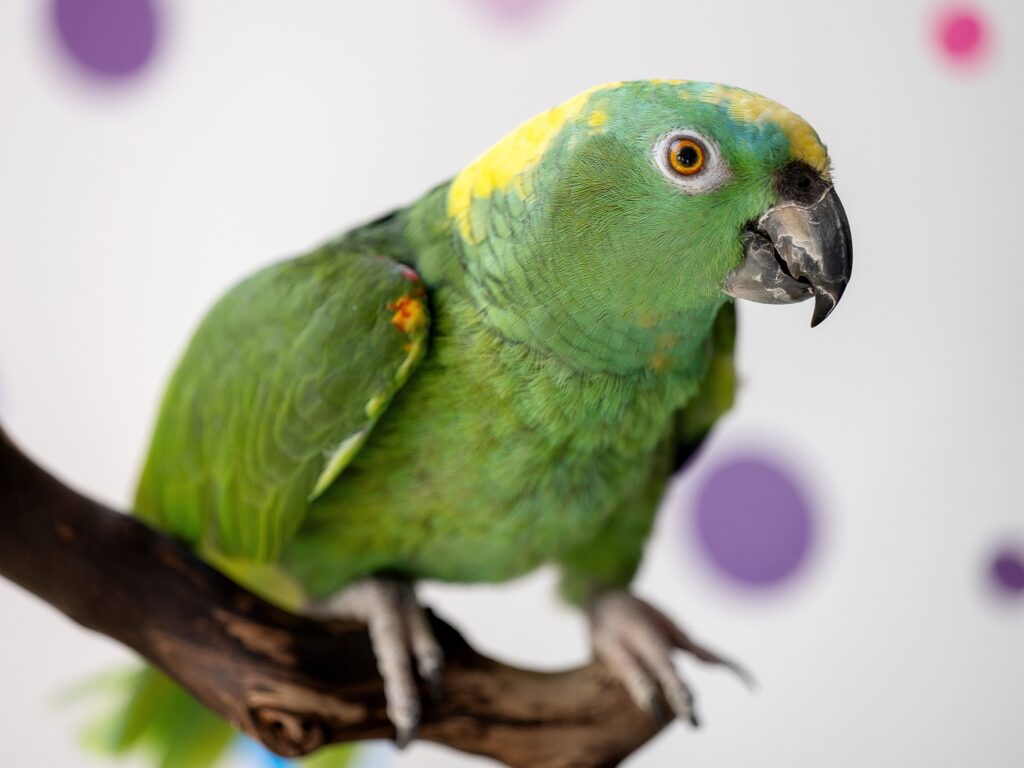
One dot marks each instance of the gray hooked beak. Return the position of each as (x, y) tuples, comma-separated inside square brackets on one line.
[(798, 248)]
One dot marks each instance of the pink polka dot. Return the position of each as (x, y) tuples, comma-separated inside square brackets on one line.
[(513, 10), (962, 34)]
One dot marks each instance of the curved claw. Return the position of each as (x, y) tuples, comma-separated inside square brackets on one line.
[(400, 633), (637, 642), (404, 735), (682, 641)]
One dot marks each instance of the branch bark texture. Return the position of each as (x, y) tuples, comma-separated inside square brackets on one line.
[(294, 683)]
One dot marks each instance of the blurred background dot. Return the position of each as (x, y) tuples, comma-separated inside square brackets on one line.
[(753, 521), (1007, 571), (111, 39), (513, 10), (962, 34)]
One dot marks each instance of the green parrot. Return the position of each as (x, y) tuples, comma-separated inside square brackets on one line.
[(501, 375)]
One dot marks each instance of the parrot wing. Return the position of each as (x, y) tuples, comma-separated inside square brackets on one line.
[(716, 393), (275, 395)]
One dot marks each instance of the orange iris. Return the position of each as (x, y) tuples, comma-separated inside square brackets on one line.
[(686, 156)]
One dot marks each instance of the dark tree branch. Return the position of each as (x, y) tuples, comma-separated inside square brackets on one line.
[(293, 683)]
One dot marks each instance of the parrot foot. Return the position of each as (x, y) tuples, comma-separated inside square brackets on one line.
[(399, 632), (636, 641)]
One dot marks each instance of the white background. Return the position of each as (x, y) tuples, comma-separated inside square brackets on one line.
[(261, 128)]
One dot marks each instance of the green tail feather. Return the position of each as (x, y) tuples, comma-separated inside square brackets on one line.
[(156, 717)]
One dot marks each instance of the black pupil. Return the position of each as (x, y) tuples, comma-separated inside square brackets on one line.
[(687, 156)]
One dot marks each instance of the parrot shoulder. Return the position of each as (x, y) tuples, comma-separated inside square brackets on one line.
[(277, 392)]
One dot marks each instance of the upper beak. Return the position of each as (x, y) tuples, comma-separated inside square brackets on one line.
[(797, 248)]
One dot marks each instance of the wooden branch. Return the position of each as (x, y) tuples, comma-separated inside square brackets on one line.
[(293, 683)]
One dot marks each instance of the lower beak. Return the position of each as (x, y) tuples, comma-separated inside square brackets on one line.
[(795, 251)]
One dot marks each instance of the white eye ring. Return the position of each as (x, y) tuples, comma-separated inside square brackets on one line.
[(713, 174)]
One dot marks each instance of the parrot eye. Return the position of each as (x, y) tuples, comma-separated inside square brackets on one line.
[(691, 162), (686, 156)]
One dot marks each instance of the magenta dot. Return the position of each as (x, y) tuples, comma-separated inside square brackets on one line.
[(753, 521), (1007, 571), (108, 38), (962, 34)]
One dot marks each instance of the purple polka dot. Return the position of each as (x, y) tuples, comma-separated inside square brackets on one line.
[(961, 34), (108, 38), (1007, 571), (753, 521)]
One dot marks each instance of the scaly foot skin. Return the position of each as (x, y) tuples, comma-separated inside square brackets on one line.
[(399, 632), (636, 641)]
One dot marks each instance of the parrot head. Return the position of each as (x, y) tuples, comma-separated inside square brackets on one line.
[(627, 215)]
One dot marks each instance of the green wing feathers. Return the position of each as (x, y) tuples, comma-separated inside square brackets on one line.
[(276, 393)]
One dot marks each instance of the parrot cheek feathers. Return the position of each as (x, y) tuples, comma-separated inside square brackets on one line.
[(798, 248)]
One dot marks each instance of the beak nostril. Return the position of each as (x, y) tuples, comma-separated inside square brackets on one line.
[(799, 183)]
